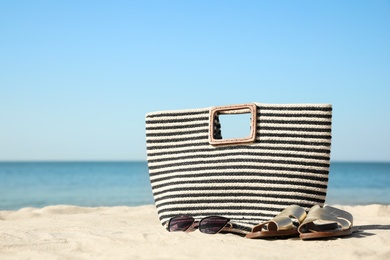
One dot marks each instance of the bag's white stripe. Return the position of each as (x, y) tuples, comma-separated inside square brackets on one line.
[(266, 128), (187, 117), (240, 178), (262, 111), (170, 138), (260, 132), (243, 185), (254, 197), (276, 124), (289, 132), (298, 127), (175, 131), (215, 179), (226, 153), (251, 164), (179, 205), (224, 212), (178, 124), (261, 138), (293, 139), (239, 172), (261, 146), (265, 195), (245, 157), (289, 120)]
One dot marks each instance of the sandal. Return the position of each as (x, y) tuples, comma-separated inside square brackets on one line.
[(282, 225), (323, 222)]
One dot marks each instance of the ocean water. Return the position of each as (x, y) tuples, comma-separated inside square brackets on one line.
[(359, 183), (39, 184)]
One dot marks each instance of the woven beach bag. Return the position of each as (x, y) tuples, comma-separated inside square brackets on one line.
[(194, 171)]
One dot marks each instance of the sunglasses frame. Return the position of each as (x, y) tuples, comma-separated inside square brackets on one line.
[(196, 224)]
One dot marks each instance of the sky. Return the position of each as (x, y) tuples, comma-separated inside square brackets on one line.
[(78, 77)]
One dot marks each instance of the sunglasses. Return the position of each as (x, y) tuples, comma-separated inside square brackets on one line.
[(207, 225)]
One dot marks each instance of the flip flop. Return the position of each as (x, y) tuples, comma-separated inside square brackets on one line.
[(285, 224), (324, 222)]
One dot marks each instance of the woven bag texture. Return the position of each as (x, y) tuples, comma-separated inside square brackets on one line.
[(249, 183)]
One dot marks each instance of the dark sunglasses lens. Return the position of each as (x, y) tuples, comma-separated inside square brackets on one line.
[(212, 225), (181, 223)]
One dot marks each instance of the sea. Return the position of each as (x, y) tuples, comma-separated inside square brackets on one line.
[(92, 184)]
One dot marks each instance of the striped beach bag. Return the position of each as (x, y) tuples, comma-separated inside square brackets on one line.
[(194, 171)]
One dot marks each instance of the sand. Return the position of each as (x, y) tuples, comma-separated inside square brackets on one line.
[(71, 232)]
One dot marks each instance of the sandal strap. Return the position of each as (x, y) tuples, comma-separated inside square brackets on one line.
[(284, 220), (328, 215)]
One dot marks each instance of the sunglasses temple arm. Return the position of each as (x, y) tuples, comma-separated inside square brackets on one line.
[(230, 228), (166, 226)]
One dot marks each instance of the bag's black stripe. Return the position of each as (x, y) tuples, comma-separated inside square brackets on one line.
[(307, 183), (205, 137), (194, 201), (241, 189), (196, 168), (248, 148), (212, 212), (238, 167), (182, 127), (294, 115), (165, 147), (205, 133), (278, 182), (239, 160), (234, 200), (226, 208), (213, 193), (238, 226), (260, 107), (246, 153), (218, 204), (241, 146), (248, 216), (187, 129), (297, 122), (270, 121), (177, 146), (242, 174), (326, 137), (276, 141), (222, 203), (303, 129), (180, 133), (177, 140)]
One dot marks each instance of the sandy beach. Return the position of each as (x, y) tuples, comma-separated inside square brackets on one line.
[(71, 232)]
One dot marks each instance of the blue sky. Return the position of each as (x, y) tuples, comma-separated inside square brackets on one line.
[(78, 77)]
